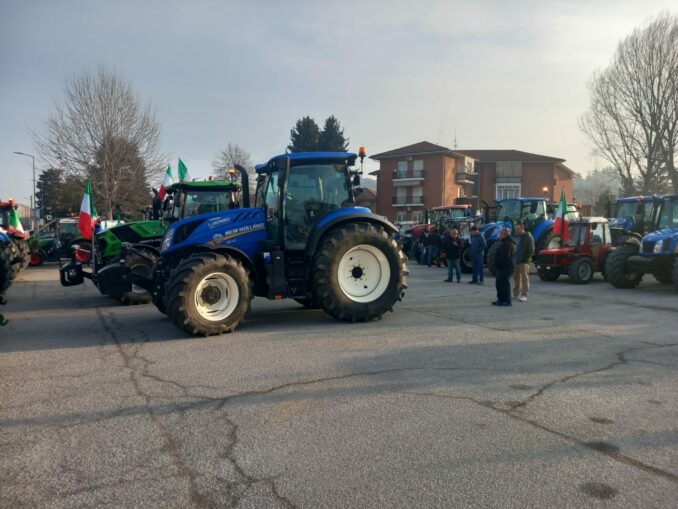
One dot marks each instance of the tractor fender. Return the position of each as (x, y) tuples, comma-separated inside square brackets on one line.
[(186, 251), (327, 223), (542, 229)]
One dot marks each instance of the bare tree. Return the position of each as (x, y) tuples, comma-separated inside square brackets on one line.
[(98, 128), (632, 120), (234, 154)]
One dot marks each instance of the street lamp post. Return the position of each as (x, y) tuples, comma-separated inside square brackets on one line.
[(34, 203)]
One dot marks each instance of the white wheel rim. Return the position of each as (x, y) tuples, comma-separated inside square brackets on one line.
[(364, 273), (216, 296), (584, 271)]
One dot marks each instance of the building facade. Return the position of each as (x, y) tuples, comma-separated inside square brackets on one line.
[(424, 175)]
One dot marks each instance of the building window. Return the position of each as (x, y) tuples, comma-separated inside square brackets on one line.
[(417, 194), (418, 168), (401, 194), (400, 217), (505, 191), (509, 168), (401, 170), (418, 216)]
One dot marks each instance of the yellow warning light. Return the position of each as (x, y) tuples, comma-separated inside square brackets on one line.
[(361, 152)]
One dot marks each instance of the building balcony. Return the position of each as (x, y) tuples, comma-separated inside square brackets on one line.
[(414, 201), (462, 177), (414, 176)]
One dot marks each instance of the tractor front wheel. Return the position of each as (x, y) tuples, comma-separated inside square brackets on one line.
[(664, 276), (581, 271), (466, 261), (5, 273), (547, 274), (675, 273), (209, 293), (144, 267), (360, 272), (616, 271)]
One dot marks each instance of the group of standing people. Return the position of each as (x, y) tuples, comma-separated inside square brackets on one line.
[(513, 257)]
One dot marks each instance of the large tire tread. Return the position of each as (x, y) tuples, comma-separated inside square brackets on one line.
[(333, 245), (573, 271), (183, 277), (615, 267)]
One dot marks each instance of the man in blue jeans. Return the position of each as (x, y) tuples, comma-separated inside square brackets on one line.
[(478, 246), (453, 247)]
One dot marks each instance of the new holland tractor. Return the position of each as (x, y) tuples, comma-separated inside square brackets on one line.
[(5, 272), (17, 251), (532, 212), (656, 253), (184, 199), (634, 217), (304, 239)]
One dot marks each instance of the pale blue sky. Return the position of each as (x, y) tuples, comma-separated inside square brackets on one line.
[(504, 74)]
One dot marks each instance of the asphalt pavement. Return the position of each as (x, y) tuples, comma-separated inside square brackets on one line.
[(568, 400)]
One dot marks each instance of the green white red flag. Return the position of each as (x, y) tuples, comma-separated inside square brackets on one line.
[(14, 221), (87, 213), (166, 182), (184, 173), (561, 228)]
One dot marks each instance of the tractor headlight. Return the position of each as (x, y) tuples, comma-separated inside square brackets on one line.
[(657, 248), (167, 239)]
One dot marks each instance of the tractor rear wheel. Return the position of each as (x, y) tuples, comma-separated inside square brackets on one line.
[(615, 268), (24, 254), (491, 258), (547, 274), (675, 273), (209, 293), (581, 271), (360, 272)]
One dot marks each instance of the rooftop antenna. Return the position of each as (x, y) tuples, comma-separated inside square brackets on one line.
[(455, 139)]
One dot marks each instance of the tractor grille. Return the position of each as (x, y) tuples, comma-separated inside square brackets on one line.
[(648, 246), (543, 259)]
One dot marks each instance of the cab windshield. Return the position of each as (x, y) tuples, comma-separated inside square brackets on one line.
[(515, 210), (628, 209), (577, 234), (438, 216), (192, 202), (669, 214)]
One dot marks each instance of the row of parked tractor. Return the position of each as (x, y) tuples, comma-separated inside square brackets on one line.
[(640, 237)]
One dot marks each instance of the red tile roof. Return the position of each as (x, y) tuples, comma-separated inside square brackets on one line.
[(423, 147), (491, 156)]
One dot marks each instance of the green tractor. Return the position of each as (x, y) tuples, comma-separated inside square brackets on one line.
[(184, 199), (17, 251), (53, 241)]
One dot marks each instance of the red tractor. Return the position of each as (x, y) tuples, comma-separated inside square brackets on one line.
[(580, 257), (440, 217)]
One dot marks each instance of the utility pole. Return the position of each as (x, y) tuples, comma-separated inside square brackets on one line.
[(33, 203)]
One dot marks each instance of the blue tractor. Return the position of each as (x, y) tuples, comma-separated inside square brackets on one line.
[(532, 212), (656, 253), (304, 239), (634, 217)]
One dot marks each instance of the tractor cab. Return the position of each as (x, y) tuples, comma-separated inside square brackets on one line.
[(188, 199), (529, 211), (583, 254), (297, 191), (634, 217)]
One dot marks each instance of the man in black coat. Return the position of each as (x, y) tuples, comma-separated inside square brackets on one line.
[(504, 266)]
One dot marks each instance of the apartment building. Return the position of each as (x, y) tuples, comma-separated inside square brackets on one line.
[(425, 175)]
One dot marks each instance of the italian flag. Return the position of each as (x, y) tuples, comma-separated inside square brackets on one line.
[(184, 173), (87, 213), (14, 221), (166, 182), (561, 228)]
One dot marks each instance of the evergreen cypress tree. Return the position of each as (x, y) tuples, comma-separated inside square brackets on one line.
[(332, 137), (304, 136)]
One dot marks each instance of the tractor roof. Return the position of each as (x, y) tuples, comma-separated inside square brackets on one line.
[(202, 184), (638, 198), (525, 199), (452, 207), (300, 158), (587, 220)]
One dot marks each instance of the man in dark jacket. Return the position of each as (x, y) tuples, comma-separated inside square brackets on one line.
[(504, 266), (521, 259), (453, 247), (433, 242)]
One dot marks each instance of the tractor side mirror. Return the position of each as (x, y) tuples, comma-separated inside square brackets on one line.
[(356, 180)]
